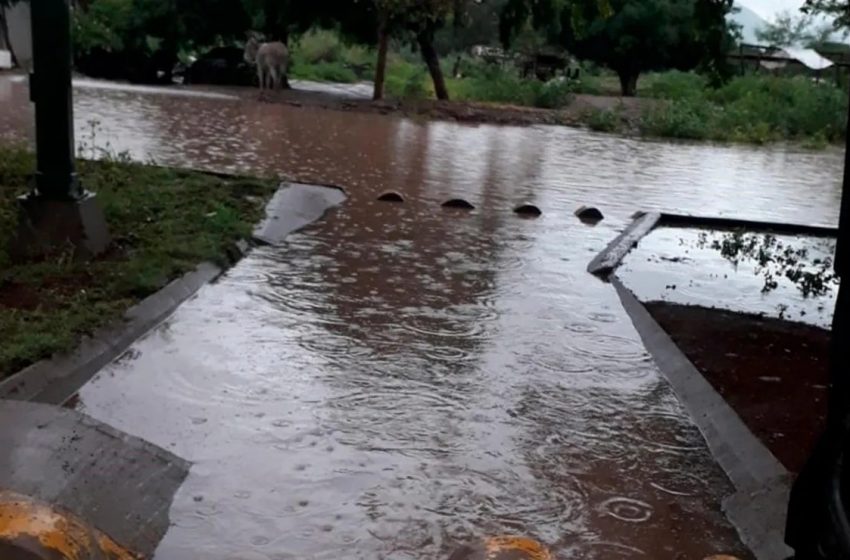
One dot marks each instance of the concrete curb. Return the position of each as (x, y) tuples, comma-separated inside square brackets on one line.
[(610, 258), (606, 262), (762, 484), (705, 222), (56, 380)]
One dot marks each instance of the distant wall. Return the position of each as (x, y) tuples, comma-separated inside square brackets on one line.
[(20, 37)]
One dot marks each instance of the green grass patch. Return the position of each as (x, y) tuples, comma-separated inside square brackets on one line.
[(163, 222)]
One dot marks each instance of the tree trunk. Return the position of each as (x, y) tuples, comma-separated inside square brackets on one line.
[(4, 33), (381, 67), (432, 60), (628, 82)]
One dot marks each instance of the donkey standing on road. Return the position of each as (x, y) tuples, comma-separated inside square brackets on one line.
[(272, 60)]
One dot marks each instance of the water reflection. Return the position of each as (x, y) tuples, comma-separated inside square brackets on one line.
[(683, 266)]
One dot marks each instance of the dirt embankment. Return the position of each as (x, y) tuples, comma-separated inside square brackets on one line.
[(773, 373), (575, 114)]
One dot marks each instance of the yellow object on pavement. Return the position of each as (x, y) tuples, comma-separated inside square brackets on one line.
[(504, 548), (34, 531)]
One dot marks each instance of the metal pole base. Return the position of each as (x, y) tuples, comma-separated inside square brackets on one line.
[(49, 227)]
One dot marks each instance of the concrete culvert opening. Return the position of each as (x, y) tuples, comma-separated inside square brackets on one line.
[(458, 203), (589, 215), (391, 196), (528, 211)]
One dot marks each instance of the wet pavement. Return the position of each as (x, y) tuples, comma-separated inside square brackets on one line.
[(399, 378)]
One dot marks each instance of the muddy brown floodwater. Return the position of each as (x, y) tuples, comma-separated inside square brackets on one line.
[(399, 378)]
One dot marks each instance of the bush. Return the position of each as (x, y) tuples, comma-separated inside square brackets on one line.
[(503, 88), (790, 107), (603, 120), (756, 109), (320, 55), (555, 94), (674, 85), (685, 119), (324, 72), (102, 26), (317, 46), (405, 79)]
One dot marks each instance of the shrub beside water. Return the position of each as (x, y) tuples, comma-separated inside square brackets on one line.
[(603, 120), (748, 109), (321, 55)]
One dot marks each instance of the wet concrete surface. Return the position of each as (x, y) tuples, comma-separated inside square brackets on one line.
[(116, 483), (292, 207), (401, 377)]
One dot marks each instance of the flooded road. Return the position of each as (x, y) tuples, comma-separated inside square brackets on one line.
[(399, 378)]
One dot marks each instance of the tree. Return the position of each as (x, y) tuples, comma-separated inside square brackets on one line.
[(419, 19), (837, 10), (629, 36), (789, 29), (416, 21), (4, 29), (140, 39)]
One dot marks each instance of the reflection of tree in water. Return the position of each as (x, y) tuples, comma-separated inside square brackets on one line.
[(775, 259), (415, 279), (409, 294)]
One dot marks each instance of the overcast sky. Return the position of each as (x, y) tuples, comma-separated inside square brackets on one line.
[(768, 8)]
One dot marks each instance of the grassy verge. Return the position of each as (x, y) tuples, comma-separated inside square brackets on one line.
[(163, 222)]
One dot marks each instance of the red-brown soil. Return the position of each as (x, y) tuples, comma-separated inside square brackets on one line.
[(773, 373)]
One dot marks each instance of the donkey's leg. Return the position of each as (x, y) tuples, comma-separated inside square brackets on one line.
[(275, 78)]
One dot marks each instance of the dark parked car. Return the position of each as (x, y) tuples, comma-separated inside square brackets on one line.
[(221, 66)]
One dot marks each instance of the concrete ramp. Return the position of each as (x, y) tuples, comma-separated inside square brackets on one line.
[(120, 485), (294, 206)]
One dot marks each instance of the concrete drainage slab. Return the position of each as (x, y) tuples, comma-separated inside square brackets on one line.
[(294, 206), (118, 484)]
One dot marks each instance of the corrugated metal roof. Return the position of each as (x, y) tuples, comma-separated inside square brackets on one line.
[(808, 58)]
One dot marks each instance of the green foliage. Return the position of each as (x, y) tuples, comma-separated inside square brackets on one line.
[(163, 223), (406, 80), (752, 109), (603, 120), (497, 86), (322, 56), (675, 85), (555, 94), (685, 119), (630, 36), (103, 25)]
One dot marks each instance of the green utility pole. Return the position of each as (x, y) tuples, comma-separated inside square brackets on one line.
[(50, 90), (58, 211)]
